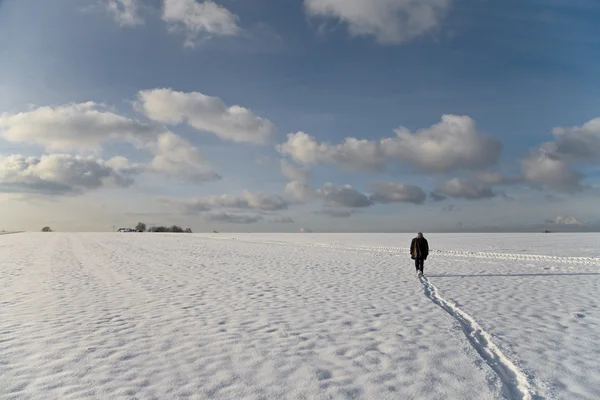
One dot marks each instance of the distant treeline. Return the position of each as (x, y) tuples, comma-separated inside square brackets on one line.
[(141, 227), (171, 229)]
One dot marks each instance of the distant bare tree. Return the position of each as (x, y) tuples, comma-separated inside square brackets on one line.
[(140, 227)]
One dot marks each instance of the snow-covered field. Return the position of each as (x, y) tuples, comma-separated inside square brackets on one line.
[(312, 316)]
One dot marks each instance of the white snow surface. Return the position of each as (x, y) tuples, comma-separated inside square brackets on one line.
[(298, 316)]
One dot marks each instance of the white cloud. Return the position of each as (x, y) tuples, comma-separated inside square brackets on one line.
[(265, 202), (299, 188), (199, 19), (497, 179), (551, 164), (452, 144), (232, 218), (299, 191), (83, 126), (544, 166), (389, 21), (579, 142), (294, 173), (566, 221), (60, 174), (391, 192), (88, 126), (464, 189), (223, 201), (248, 200), (125, 12), (449, 145), (122, 165), (351, 153), (206, 114), (176, 157), (343, 196)]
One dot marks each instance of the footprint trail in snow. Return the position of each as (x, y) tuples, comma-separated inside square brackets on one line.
[(515, 383)]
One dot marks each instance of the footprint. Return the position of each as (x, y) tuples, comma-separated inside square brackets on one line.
[(323, 374)]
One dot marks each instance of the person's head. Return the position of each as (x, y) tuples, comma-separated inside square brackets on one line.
[(420, 235)]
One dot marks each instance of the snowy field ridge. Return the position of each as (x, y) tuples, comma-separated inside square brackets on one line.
[(298, 316)]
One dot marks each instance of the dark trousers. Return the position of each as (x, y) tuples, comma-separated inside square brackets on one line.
[(419, 264)]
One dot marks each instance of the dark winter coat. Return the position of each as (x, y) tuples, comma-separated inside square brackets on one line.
[(419, 248)]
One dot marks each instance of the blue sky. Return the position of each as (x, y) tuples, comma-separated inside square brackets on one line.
[(507, 74)]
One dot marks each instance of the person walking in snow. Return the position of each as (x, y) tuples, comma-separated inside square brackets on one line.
[(419, 250)]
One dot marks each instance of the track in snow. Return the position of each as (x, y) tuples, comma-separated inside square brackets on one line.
[(514, 382), (445, 253)]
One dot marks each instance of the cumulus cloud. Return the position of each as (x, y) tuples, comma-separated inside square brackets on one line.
[(389, 21), (459, 188), (343, 196), (282, 220), (562, 220), (498, 179), (125, 12), (248, 200), (452, 144), (294, 173), (83, 126), (122, 165), (579, 142), (551, 164), (206, 114), (232, 218), (299, 188), (222, 201), (60, 174), (87, 126), (390, 192), (351, 153), (544, 166), (265, 202), (299, 191), (197, 20), (176, 157)]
